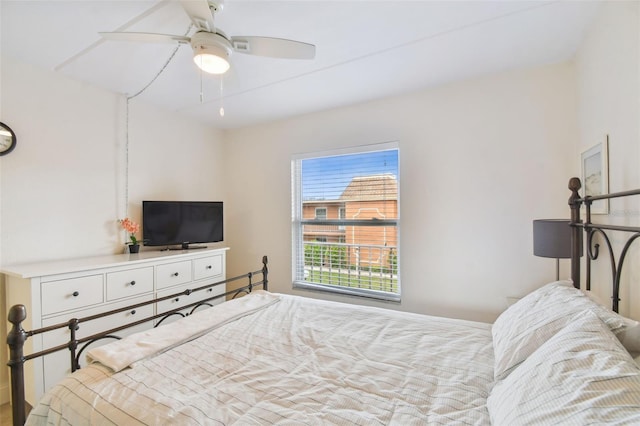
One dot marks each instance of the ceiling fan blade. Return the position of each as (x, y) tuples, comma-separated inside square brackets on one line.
[(200, 13), (145, 37), (273, 47)]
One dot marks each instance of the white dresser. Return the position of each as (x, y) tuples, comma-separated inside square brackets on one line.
[(54, 292)]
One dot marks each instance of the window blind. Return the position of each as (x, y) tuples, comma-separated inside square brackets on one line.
[(345, 221)]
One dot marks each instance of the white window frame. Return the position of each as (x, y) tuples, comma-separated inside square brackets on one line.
[(297, 222)]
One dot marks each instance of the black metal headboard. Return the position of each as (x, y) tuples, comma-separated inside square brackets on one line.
[(590, 231)]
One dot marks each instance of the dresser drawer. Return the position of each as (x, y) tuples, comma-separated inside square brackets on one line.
[(74, 293), (58, 364), (172, 274), (178, 301), (211, 292), (59, 336), (129, 283), (207, 267), (182, 300)]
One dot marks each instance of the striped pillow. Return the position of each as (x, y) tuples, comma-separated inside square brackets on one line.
[(630, 336), (537, 317), (581, 376)]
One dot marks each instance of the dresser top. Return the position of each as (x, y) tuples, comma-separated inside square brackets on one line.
[(39, 269)]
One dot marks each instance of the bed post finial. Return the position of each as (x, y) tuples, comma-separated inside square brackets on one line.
[(576, 240), (15, 339), (574, 186)]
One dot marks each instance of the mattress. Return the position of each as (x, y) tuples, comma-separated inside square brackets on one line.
[(281, 359)]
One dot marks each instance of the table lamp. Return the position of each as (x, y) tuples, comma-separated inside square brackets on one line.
[(552, 238)]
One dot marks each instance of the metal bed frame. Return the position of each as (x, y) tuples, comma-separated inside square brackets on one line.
[(591, 230), (17, 336)]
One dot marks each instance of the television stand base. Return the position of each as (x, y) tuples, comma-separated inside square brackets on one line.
[(187, 247)]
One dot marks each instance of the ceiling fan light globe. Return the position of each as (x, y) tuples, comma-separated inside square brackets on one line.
[(211, 63), (210, 53)]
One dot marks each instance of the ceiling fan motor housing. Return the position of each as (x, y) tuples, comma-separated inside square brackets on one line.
[(204, 42)]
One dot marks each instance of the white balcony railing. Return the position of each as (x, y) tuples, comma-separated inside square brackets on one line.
[(372, 267)]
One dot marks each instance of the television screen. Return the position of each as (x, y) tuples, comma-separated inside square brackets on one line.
[(166, 223)]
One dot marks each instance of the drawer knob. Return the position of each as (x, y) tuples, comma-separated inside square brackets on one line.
[(75, 294), (133, 312), (175, 274), (209, 290), (177, 299), (132, 283), (208, 267)]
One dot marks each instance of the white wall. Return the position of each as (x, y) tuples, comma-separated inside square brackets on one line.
[(63, 188), (608, 75), (479, 160), (173, 159)]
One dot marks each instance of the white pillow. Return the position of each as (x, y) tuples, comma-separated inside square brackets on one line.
[(537, 317), (630, 336), (596, 298), (581, 376)]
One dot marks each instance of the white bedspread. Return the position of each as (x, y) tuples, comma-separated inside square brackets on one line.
[(295, 361)]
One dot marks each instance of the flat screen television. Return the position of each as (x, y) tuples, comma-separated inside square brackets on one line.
[(171, 223)]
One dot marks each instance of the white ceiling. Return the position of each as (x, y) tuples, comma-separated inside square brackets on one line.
[(364, 49)]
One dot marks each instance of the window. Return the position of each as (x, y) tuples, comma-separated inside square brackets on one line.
[(345, 221)]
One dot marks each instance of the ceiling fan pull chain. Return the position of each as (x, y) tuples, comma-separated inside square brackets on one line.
[(221, 96), (201, 91)]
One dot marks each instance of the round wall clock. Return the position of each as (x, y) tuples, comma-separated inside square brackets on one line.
[(7, 139)]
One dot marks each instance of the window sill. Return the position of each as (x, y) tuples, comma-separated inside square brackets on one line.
[(349, 291)]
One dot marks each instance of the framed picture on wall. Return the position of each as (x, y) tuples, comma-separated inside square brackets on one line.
[(595, 174)]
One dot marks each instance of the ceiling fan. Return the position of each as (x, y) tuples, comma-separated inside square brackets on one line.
[(211, 47)]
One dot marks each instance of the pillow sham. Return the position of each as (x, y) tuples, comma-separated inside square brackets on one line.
[(537, 317), (582, 375), (630, 336), (596, 298)]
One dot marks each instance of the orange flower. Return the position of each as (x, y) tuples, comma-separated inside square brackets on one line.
[(131, 227)]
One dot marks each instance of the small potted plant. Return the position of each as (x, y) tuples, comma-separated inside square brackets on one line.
[(131, 227)]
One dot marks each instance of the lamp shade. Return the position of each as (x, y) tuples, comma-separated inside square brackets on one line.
[(552, 238)]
